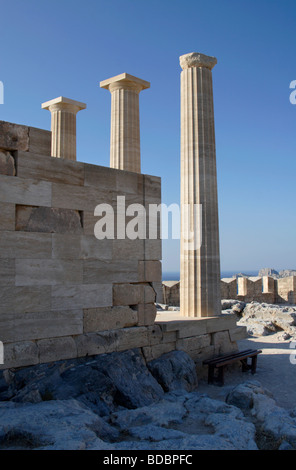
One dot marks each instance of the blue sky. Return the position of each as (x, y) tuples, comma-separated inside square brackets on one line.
[(66, 47)]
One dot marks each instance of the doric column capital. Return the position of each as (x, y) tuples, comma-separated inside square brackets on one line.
[(124, 81), (65, 104), (195, 59)]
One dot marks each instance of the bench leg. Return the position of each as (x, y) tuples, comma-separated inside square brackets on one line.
[(211, 374), (221, 375), (254, 364)]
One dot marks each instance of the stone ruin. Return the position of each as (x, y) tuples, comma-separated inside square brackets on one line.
[(263, 289), (65, 294)]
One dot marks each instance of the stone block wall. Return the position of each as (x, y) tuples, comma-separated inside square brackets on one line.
[(259, 289), (201, 338), (286, 290), (63, 292)]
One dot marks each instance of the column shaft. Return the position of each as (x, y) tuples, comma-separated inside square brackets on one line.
[(125, 152), (200, 267), (63, 126), (63, 134)]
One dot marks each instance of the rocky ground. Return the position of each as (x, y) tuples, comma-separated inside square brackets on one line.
[(263, 319), (119, 402)]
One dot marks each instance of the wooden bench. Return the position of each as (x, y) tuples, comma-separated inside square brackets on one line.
[(220, 362)]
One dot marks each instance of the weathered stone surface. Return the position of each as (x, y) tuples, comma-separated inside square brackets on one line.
[(174, 371), (194, 342), (51, 425), (19, 191), (14, 136), (55, 349), (108, 318), (40, 167), (132, 294), (263, 319), (146, 314), (47, 219), (22, 353), (81, 296), (274, 424), (7, 272), (48, 272), (16, 327), (7, 219), (39, 141), (196, 59), (222, 343), (25, 245), (149, 271), (23, 299), (7, 166), (102, 271)]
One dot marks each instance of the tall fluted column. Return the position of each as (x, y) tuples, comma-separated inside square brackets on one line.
[(125, 151), (199, 264), (63, 126)]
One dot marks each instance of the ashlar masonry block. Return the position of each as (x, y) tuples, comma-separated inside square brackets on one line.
[(39, 167)]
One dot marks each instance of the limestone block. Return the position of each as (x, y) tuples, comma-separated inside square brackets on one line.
[(154, 334), (37, 325), (20, 354), (39, 141), (146, 314), (57, 170), (55, 349), (90, 344), (66, 246), (7, 272), (128, 249), (93, 248), (130, 338), (88, 221), (99, 176), (14, 136), (192, 328), (194, 343), (152, 189), (47, 272), (169, 337), (21, 191), (7, 219), (84, 198), (150, 271), (238, 333), (221, 322), (112, 340), (100, 271), (108, 318), (153, 249), (154, 352), (132, 294), (25, 245), (228, 288), (222, 342), (7, 166), (25, 299), (81, 296), (47, 219), (128, 182), (200, 355)]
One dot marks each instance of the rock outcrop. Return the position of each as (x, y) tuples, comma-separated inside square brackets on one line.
[(118, 402)]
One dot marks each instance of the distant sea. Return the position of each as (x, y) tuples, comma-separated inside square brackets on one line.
[(175, 276)]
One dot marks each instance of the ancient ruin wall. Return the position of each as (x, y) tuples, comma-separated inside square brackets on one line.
[(63, 292)]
